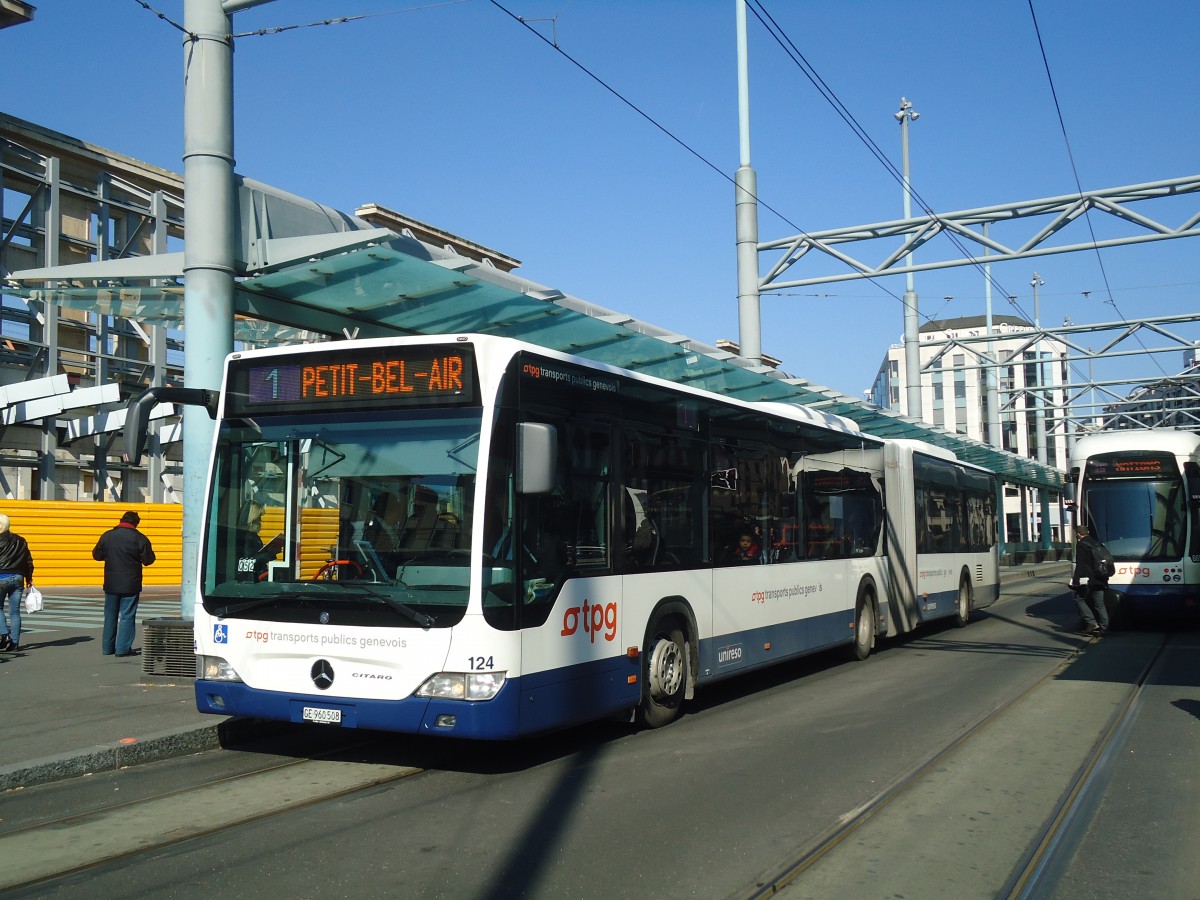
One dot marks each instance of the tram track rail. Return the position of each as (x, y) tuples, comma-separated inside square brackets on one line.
[(1036, 868), (50, 849)]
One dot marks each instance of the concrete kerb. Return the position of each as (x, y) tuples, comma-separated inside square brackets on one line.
[(110, 757), (1038, 570), (151, 748)]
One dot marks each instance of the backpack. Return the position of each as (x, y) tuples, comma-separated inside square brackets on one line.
[(1105, 567)]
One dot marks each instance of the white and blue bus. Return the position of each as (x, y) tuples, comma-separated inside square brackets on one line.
[(1140, 493), (475, 537)]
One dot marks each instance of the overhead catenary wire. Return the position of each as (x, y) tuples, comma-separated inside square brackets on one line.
[(553, 44), (1075, 174), (801, 62), (525, 22)]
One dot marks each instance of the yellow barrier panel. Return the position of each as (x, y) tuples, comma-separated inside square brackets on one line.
[(318, 538), (318, 535), (62, 533)]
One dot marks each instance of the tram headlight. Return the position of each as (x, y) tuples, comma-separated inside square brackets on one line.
[(462, 686), (214, 668)]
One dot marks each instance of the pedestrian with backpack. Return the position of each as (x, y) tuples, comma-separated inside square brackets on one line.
[(16, 574), (1089, 581)]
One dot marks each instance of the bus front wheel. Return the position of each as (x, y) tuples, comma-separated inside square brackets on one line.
[(664, 674)]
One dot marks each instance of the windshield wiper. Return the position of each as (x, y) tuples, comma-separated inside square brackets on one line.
[(235, 608), (425, 621)]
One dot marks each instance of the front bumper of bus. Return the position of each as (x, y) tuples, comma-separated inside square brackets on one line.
[(1158, 599), (532, 704), (491, 719)]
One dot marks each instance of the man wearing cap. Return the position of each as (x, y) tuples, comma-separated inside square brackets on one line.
[(124, 551)]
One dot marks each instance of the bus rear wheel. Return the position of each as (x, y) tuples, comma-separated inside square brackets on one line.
[(864, 625), (962, 609), (664, 674)]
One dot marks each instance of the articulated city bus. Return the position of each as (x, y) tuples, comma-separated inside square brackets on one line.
[(475, 537), (1140, 493)]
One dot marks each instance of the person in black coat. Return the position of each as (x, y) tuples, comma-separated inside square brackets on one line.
[(1088, 584), (124, 551), (16, 573)]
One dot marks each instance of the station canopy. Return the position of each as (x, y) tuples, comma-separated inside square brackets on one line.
[(374, 282)]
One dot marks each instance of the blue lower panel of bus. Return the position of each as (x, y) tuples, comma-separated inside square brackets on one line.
[(937, 605), (579, 693), (529, 705), (757, 647)]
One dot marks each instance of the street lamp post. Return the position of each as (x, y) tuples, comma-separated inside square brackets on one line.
[(912, 346), (1039, 395)]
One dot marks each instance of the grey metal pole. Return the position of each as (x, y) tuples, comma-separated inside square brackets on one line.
[(746, 211), (208, 268), (991, 387), (1039, 396), (912, 337), (1040, 414), (995, 428)]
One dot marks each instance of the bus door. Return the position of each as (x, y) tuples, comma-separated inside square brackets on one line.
[(902, 519)]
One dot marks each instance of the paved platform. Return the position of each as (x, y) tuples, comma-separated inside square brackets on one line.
[(67, 710)]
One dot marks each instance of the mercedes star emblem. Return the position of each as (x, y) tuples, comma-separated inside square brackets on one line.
[(322, 674)]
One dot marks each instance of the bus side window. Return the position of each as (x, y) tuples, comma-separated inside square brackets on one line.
[(588, 490)]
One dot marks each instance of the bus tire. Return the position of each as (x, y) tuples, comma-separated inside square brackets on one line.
[(864, 624), (962, 609), (664, 673)]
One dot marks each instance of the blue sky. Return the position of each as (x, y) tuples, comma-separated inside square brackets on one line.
[(457, 115)]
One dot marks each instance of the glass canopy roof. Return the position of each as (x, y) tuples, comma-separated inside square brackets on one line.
[(401, 286)]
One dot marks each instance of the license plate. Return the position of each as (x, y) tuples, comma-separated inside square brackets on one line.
[(322, 716)]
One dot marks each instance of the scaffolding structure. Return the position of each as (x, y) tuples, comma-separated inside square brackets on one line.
[(66, 372)]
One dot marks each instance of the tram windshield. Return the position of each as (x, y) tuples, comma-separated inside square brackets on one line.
[(1139, 519), (365, 521)]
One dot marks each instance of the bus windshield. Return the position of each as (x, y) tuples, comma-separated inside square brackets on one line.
[(368, 521), (1139, 519)]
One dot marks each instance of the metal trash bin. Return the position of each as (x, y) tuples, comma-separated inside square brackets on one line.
[(168, 648)]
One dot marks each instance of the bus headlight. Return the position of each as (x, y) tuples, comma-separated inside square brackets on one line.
[(462, 686), (214, 668)]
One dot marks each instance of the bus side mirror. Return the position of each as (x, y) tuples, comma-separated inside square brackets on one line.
[(537, 454), (137, 416)]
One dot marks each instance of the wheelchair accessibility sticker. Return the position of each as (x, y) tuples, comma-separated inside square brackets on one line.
[(220, 634)]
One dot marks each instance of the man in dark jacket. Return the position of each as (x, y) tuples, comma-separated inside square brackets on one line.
[(1088, 584), (124, 551), (16, 573)]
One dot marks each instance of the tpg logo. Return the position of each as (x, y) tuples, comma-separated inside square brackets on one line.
[(594, 617), (1134, 571)]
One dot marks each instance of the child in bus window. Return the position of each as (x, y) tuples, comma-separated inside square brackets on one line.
[(747, 551)]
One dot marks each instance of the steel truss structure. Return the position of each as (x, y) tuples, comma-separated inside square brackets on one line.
[(1088, 404), (920, 230), (1149, 401)]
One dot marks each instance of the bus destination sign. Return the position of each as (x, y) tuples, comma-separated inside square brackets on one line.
[(386, 377)]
